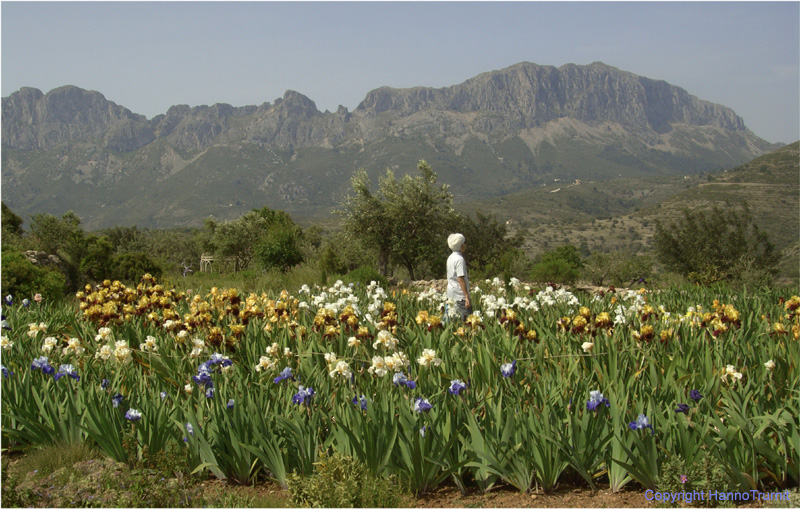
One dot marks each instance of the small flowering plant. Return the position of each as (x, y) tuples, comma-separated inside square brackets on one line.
[(457, 387), (421, 405), (508, 369), (596, 399)]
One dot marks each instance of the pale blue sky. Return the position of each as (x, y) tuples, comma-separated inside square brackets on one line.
[(148, 56)]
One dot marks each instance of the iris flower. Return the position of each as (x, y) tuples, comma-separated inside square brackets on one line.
[(596, 399), (683, 408), (361, 401), (456, 386), (230, 404), (641, 422), (6, 372), (104, 383), (695, 395), (303, 395), (117, 399), (43, 364), (508, 369), (285, 375), (133, 414), (422, 405), (402, 379), (68, 370)]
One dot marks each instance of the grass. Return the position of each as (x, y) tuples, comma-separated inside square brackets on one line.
[(50, 458)]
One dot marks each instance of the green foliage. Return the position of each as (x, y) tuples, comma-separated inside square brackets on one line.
[(11, 223), (129, 267), (343, 481), (23, 279), (619, 268), (720, 245), (280, 249), (96, 264), (406, 221), (364, 275), (561, 265), (702, 475), (489, 251), (62, 236)]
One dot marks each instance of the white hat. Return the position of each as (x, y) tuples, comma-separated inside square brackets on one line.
[(455, 241)]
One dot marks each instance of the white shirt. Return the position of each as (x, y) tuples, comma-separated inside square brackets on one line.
[(456, 267)]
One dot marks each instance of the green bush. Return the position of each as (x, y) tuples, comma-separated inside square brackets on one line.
[(343, 481), (703, 475), (364, 275), (561, 265), (718, 245), (23, 279), (130, 267), (279, 250), (618, 268)]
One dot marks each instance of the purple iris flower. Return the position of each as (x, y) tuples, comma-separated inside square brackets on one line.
[(422, 430), (230, 404), (402, 379), (641, 422), (203, 376), (217, 358), (303, 396), (422, 405), (104, 383), (286, 374), (9, 299), (362, 401), (596, 399), (133, 414), (210, 391), (456, 386), (26, 302), (43, 364), (683, 408), (508, 369), (6, 372), (66, 370), (117, 399), (4, 323), (695, 395)]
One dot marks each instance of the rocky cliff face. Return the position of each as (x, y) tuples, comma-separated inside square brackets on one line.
[(520, 97), (491, 134)]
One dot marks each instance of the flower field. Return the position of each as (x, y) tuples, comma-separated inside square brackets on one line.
[(541, 387)]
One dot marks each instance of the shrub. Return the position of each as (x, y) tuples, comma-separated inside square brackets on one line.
[(280, 250), (718, 245), (132, 266), (364, 275), (343, 481), (561, 265), (24, 279), (618, 268)]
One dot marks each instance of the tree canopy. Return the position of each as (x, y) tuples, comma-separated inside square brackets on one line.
[(717, 245), (405, 221)]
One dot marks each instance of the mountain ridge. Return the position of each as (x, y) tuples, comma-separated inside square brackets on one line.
[(491, 134)]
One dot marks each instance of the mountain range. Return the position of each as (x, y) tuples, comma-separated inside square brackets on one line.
[(497, 133)]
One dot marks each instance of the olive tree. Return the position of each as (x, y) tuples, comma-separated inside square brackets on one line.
[(716, 245), (405, 221)]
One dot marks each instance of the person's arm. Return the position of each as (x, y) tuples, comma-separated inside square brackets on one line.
[(463, 284)]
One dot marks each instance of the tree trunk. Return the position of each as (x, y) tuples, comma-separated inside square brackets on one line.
[(383, 261)]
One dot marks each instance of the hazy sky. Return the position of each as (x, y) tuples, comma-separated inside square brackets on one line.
[(148, 56)]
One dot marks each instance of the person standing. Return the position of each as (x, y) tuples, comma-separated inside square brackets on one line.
[(457, 278)]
